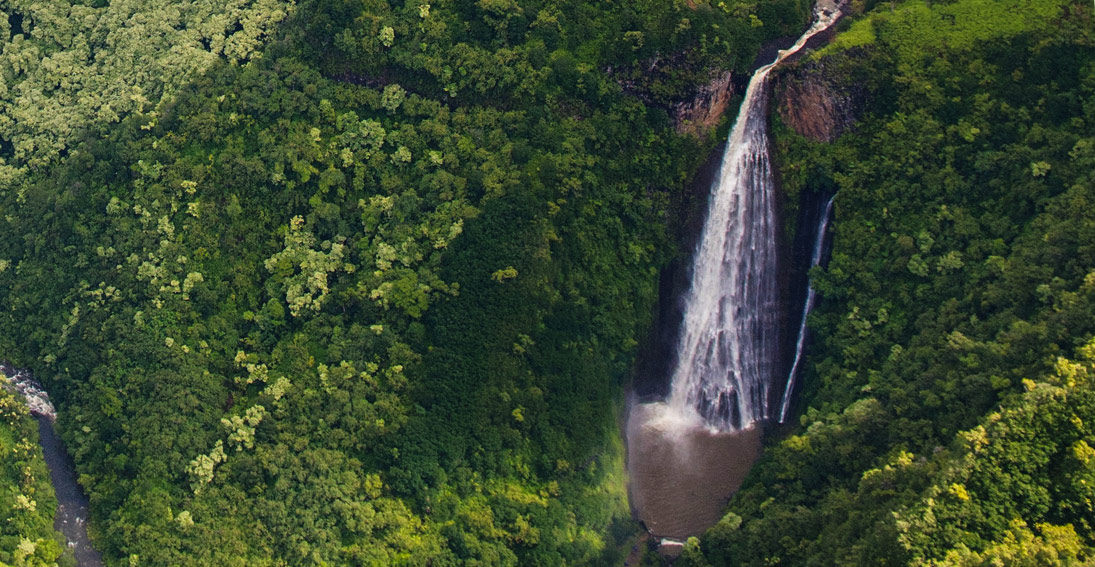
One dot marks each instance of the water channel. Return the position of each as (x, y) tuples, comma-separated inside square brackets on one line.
[(72, 504)]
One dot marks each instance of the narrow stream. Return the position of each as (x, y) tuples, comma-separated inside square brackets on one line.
[(72, 503)]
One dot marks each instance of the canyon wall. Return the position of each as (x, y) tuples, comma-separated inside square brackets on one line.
[(818, 100)]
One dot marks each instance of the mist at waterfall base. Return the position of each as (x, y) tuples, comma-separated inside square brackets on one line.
[(683, 473), (688, 454)]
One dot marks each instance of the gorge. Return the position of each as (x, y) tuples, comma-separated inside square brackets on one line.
[(342, 282), (72, 504), (689, 453)]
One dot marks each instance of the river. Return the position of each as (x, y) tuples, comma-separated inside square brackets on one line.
[(72, 504)]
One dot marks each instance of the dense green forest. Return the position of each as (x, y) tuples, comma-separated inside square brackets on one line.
[(27, 501), (950, 404), (347, 282), (358, 282)]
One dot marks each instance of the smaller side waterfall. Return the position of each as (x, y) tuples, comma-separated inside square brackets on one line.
[(72, 503), (811, 298)]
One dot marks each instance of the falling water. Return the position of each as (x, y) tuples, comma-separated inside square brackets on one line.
[(688, 455), (811, 299), (36, 398), (729, 336)]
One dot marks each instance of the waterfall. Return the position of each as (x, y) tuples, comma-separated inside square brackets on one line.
[(811, 299), (729, 340)]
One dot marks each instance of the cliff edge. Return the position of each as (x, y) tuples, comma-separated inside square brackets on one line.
[(700, 114), (818, 100)]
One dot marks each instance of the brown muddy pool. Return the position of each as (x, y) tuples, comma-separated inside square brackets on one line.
[(682, 473)]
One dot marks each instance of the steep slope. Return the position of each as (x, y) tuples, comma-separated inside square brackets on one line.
[(368, 299), (961, 278)]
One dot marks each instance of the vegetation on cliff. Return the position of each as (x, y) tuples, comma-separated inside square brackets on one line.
[(365, 296), (950, 400), (345, 282)]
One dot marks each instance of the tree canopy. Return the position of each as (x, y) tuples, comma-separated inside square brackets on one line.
[(949, 382), (363, 294)]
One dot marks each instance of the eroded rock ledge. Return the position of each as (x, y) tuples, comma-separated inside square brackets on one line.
[(701, 113), (818, 99)]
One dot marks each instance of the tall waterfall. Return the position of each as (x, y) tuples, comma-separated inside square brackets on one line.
[(729, 341), (808, 306)]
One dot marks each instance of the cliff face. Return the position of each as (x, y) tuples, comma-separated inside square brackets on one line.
[(701, 113), (818, 100)]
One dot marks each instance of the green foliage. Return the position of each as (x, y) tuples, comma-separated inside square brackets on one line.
[(1029, 463), (27, 501), (513, 53), (73, 67), (916, 30), (367, 299), (960, 277)]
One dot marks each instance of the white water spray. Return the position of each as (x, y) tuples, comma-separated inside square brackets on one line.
[(23, 384), (811, 299), (729, 341)]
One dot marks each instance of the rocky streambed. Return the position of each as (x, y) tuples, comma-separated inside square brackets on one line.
[(72, 504)]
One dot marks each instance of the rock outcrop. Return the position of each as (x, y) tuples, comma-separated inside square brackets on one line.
[(818, 99), (701, 113)]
